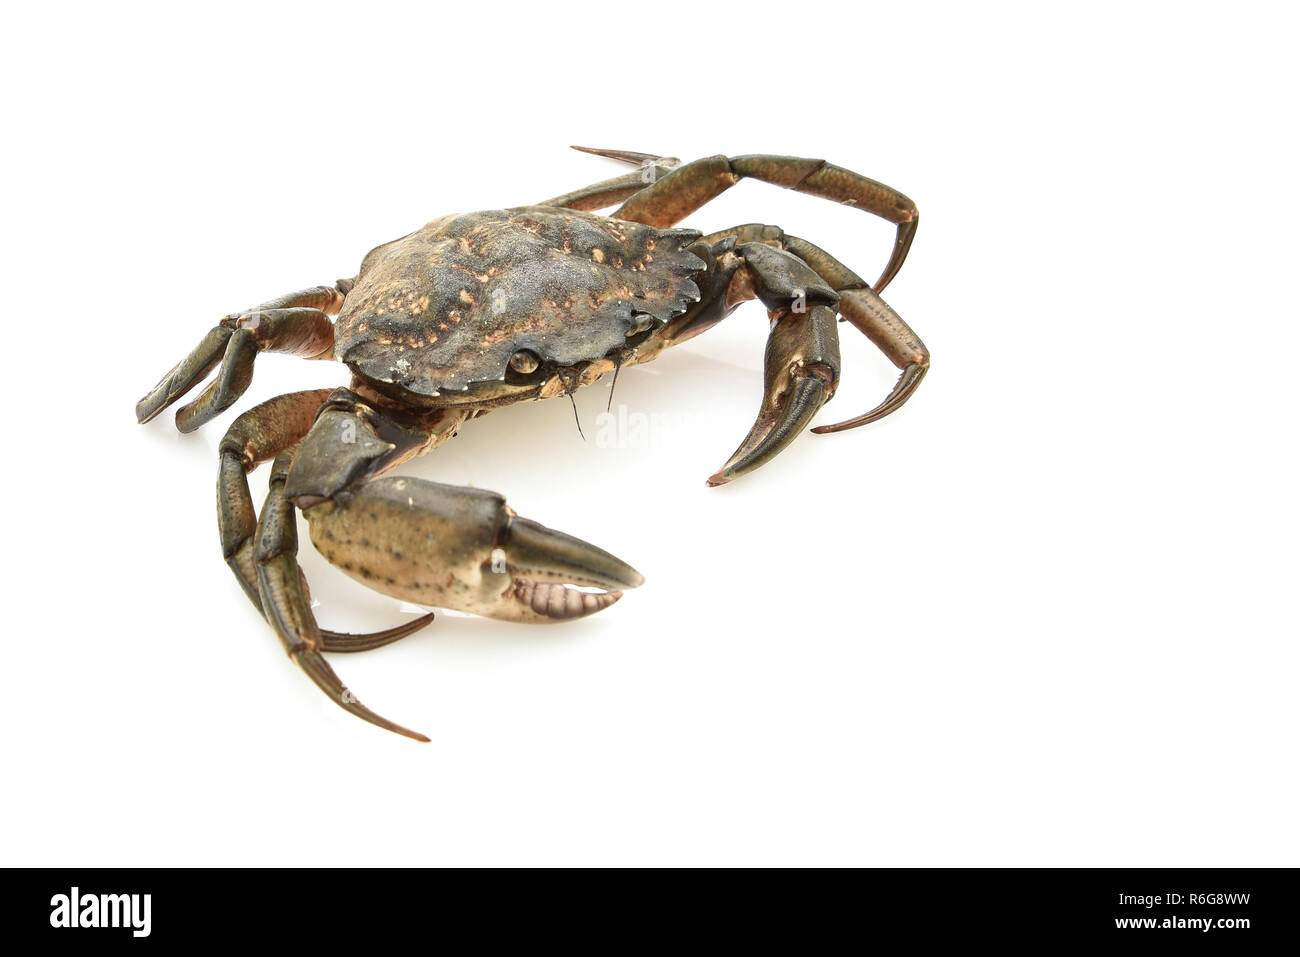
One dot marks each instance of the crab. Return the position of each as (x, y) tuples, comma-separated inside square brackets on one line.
[(482, 310)]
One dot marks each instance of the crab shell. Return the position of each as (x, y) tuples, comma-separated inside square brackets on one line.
[(447, 306)]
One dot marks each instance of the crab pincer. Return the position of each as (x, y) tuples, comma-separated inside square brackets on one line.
[(465, 549)]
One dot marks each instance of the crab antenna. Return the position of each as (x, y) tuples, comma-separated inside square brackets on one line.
[(568, 390), (618, 364)]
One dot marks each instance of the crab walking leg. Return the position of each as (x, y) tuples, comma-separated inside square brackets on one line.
[(629, 156), (302, 332), (802, 364), (297, 323), (874, 318), (858, 304), (670, 199), (620, 188), (257, 436), (616, 190), (599, 195), (800, 372), (285, 603)]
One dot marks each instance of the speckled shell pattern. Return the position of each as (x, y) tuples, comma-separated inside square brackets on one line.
[(448, 305)]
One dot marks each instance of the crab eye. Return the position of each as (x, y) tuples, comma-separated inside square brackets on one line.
[(524, 362), (640, 323)]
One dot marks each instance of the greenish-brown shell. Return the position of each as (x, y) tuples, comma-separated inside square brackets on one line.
[(448, 305)]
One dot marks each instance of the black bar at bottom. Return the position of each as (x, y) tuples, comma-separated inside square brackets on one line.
[(356, 907)]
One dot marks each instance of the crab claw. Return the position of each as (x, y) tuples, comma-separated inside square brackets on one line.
[(800, 372), (465, 549)]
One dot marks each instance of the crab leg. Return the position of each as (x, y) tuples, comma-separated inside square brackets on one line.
[(858, 304), (616, 190), (878, 322), (297, 323), (284, 599), (801, 285), (802, 364), (873, 317), (257, 436), (800, 374), (629, 156), (670, 199)]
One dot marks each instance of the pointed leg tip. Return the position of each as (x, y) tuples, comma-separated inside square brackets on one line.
[(361, 711), (415, 624), (625, 156), (365, 714), (845, 425), (344, 642), (149, 406), (404, 732)]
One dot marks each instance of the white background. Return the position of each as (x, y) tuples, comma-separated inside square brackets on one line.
[(1043, 615)]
